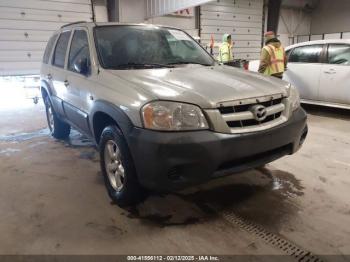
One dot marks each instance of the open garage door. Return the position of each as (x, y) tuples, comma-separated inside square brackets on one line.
[(26, 26), (243, 19)]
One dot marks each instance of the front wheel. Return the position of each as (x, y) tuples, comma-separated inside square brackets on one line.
[(58, 128), (118, 168)]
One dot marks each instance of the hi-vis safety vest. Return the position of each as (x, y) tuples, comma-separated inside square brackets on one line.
[(225, 53), (276, 60)]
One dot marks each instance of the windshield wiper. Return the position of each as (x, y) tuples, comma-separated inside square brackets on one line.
[(187, 63), (141, 65)]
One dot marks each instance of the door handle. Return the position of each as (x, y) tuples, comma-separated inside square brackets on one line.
[(49, 76), (66, 83), (330, 72)]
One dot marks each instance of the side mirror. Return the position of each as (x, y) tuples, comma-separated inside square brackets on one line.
[(82, 66)]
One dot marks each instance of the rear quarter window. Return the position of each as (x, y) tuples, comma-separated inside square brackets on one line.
[(48, 49), (306, 54)]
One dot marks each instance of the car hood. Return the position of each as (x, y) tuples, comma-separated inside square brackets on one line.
[(205, 86)]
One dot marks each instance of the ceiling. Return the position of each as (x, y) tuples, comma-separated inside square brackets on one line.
[(301, 4)]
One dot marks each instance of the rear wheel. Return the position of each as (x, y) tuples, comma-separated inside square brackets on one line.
[(118, 168), (58, 128)]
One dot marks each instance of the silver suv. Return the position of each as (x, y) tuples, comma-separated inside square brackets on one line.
[(163, 113)]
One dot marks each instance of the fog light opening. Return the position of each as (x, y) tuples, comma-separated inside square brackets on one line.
[(174, 173), (303, 136)]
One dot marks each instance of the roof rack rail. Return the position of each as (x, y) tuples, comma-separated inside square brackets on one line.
[(78, 22)]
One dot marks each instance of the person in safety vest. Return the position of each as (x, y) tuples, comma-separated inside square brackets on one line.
[(273, 60), (225, 52)]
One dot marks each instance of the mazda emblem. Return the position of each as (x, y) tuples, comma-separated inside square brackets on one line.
[(259, 112)]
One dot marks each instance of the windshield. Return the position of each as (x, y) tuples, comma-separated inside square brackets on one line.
[(122, 47)]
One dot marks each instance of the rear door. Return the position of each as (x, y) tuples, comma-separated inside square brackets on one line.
[(335, 75), (57, 72), (304, 67)]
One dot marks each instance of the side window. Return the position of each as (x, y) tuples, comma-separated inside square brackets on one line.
[(60, 50), (306, 54), (48, 49), (79, 55), (339, 54)]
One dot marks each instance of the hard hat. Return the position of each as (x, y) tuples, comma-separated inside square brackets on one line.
[(269, 35)]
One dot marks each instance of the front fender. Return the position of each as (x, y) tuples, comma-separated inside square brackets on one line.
[(118, 115)]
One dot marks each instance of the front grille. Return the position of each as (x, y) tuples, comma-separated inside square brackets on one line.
[(242, 115), (242, 108)]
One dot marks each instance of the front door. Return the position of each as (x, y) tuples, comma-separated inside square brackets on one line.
[(78, 80), (335, 75)]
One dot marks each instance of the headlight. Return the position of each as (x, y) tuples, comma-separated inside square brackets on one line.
[(294, 97), (173, 116)]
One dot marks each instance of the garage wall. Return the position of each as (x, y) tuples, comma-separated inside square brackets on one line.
[(25, 27), (100, 8), (133, 11), (331, 17), (243, 19), (293, 22), (186, 23)]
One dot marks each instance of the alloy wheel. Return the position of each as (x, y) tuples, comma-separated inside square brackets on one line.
[(114, 166)]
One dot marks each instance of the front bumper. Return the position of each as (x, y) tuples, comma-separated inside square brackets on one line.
[(174, 160)]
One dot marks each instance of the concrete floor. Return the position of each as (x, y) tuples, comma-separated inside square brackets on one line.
[(53, 201)]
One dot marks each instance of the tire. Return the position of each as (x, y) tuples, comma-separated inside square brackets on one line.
[(58, 128), (118, 168)]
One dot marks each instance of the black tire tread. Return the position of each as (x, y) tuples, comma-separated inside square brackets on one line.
[(132, 193), (61, 129)]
